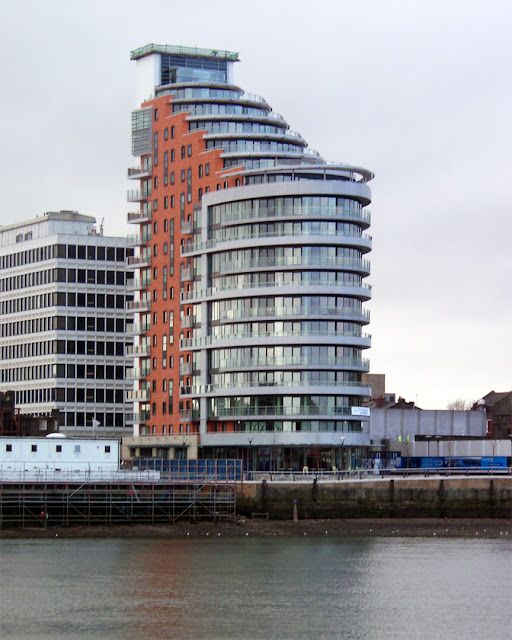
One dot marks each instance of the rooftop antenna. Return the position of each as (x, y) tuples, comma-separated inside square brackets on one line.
[(101, 226)]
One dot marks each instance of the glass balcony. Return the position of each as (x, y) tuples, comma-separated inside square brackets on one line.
[(138, 350), (136, 217), (139, 261), (358, 315), (239, 237), (138, 195), (138, 305), (194, 294), (214, 388), (139, 395), (188, 343), (137, 374), (136, 173), (280, 411), (335, 363), (295, 261)]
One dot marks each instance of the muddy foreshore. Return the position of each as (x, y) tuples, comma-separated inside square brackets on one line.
[(363, 527)]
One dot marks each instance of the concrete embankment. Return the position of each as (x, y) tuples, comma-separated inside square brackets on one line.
[(434, 497)]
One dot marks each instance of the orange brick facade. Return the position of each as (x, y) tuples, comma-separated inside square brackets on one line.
[(185, 150)]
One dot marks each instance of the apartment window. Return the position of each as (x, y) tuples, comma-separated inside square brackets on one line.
[(171, 177), (155, 182), (107, 446), (33, 448), (173, 155), (166, 134), (200, 170), (166, 203), (8, 447), (58, 448), (166, 224), (182, 175), (183, 152), (172, 202), (155, 115), (207, 169), (189, 150)]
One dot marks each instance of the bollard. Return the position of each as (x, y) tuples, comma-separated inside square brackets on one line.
[(295, 513)]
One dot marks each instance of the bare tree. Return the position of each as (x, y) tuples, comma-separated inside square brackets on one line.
[(459, 405)]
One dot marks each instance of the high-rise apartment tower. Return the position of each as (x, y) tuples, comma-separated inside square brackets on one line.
[(250, 288)]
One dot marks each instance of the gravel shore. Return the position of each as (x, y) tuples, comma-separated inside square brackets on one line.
[(364, 527)]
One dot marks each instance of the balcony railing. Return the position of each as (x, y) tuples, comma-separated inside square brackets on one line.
[(186, 368), (139, 239), (213, 388), (186, 343), (364, 238), (212, 291), (137, 418), (137, 195), (358, 315), (134, 173), (134, 217), (135, 329), (139, 261), (137, 374), (138, 305), (138, 350), (187, 322), (138, 395), (281, 411), (273, 362), (294, 261), (136, 284), (187, 226), (321, 213), (187, 274)]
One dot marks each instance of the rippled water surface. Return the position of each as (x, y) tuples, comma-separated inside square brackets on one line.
[(286, 588)]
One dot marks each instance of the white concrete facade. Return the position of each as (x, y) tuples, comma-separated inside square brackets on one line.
[(63, 322)]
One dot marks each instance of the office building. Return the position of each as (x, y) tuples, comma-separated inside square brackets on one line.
[(250, 286), (63, 325)]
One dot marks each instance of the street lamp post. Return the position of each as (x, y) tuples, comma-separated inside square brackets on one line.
[(342, 442), (249, 456), (427, 438)]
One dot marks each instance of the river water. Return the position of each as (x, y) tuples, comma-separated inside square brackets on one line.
[(230, 589)]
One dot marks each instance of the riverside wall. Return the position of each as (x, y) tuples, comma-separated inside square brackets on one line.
[(439, 497)]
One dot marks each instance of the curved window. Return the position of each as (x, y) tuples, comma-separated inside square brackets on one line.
[(321, 206)]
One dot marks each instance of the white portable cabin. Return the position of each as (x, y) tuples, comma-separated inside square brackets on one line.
[(59, 455)]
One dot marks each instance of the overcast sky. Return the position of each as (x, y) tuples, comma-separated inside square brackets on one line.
[(417, 91)]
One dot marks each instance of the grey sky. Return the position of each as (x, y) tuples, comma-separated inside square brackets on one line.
[(417, 91)]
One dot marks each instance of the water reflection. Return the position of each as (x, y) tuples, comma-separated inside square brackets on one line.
[(255, 589)]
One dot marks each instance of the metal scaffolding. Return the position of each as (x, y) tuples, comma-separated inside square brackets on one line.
[(36, 504)]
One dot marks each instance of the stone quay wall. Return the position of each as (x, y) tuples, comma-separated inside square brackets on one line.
[(437, 497)]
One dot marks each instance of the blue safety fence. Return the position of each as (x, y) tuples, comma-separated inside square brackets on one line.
[(441, 462)]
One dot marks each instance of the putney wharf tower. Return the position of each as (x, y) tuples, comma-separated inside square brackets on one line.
[(249, 288)]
